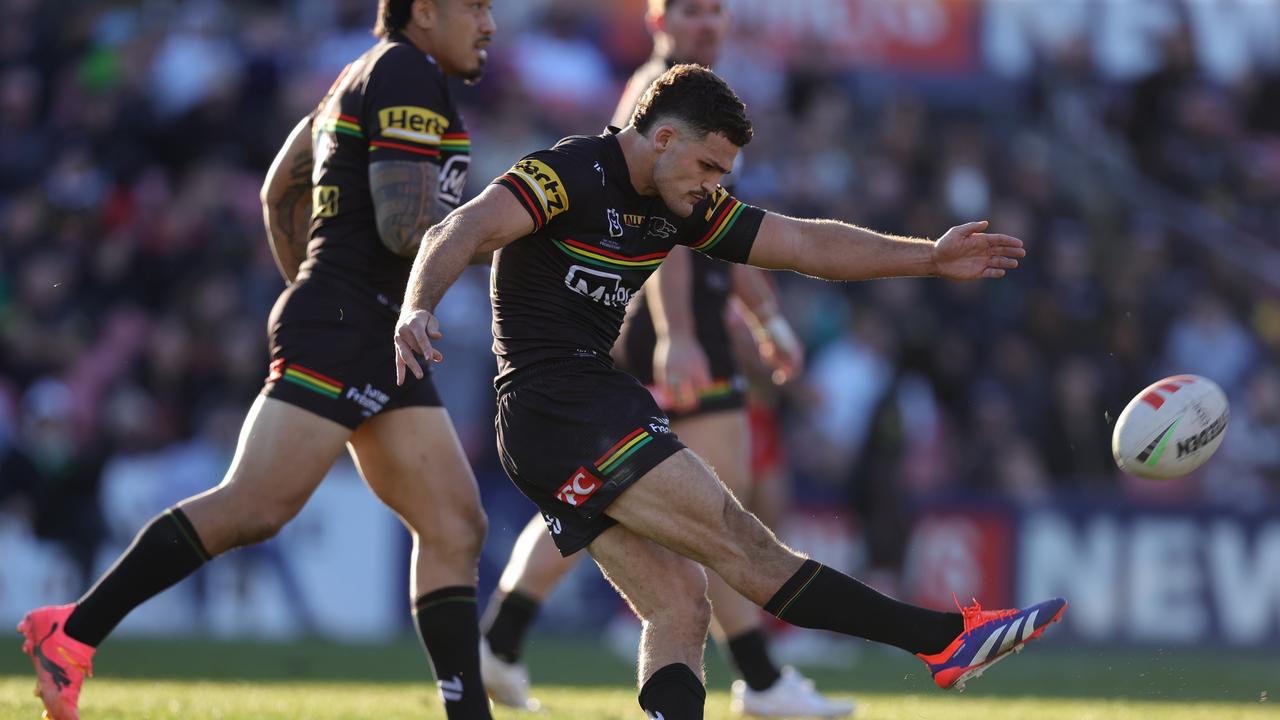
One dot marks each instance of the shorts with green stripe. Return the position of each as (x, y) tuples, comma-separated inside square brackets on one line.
[(332, 355), (573, 434)]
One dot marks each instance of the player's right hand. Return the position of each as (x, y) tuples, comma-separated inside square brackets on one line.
[(414, 332), (680, 371), (780, 350)]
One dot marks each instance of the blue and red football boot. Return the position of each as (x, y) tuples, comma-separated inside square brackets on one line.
[(989, 636)]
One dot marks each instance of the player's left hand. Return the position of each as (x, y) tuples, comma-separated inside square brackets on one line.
[(965, 252), (414, 333)]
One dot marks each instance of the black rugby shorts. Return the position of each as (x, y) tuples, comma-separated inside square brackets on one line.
[(573, 434), (332, 354)]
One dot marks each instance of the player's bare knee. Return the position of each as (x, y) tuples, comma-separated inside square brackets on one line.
[(458, 534), (697, 612), (683, 595), (265, 520), (689, 611), (259, 527)]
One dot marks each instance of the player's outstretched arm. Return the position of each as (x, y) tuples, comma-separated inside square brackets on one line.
[(839, 251), (286, 200), (490, 221)]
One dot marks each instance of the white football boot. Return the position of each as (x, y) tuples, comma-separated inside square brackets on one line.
[(506, 683), (793, 695)]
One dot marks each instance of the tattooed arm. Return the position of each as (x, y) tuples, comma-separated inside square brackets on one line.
[(406, 199), (286, 200)]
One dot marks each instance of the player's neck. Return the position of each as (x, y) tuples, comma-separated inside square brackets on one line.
[(639, 158), (417, 37)]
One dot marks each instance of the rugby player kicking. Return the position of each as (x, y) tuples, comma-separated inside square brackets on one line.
[(588, 443), (675, 341), (382, 159)]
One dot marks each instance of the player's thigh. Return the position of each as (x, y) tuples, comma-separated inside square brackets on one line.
[(652, 579), (413, 461), (681, 505), (721, 440), (282, 455)]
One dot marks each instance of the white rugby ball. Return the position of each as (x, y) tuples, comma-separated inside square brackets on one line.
[(1171, 428)]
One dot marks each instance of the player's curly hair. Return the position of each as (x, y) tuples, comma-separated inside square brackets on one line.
[(392, 15), (697, 97)]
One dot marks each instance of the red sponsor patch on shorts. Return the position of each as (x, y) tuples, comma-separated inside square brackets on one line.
[(578, 488)]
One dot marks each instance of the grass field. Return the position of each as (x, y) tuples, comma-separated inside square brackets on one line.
[(154, 680)]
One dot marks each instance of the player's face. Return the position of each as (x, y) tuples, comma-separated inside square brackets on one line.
[(459, 36), (689, 169), (697, 29)]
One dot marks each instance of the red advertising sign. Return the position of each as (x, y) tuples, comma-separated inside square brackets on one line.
[(965, 553)]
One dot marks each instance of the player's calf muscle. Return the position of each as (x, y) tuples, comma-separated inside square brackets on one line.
[(756, 563)]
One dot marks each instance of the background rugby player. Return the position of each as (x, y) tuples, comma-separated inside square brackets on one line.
[(676, 342), (383, 158), (588, 444)]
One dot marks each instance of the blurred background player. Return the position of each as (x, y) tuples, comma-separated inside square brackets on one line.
[(382, 159), (676, 343)]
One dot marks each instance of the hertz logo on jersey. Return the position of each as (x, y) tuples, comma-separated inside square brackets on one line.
[(538, 188), (415, 124)]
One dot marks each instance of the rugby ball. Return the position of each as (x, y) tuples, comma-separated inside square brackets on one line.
[(1171, 428)]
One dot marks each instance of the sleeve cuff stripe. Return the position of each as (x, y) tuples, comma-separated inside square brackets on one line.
[(406, 148), (517, 188)]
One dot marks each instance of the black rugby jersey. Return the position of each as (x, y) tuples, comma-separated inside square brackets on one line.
[(710, 281), (563, 290), (391, 103)]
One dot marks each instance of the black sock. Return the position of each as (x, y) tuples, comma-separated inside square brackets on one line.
[(674, 692), (750, 655), (446, 622), (164, 552), (507, 622), (819, 597)]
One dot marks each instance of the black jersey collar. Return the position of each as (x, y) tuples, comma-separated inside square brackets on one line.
[(396, 36), (610, 135)]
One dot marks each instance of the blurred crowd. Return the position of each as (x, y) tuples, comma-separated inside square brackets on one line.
[(135, 279)]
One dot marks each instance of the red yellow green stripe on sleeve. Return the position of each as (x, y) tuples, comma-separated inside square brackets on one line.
[(721, 226), (343, 125), (606, 258), (455, 142), (429, 152), (526, 195)]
